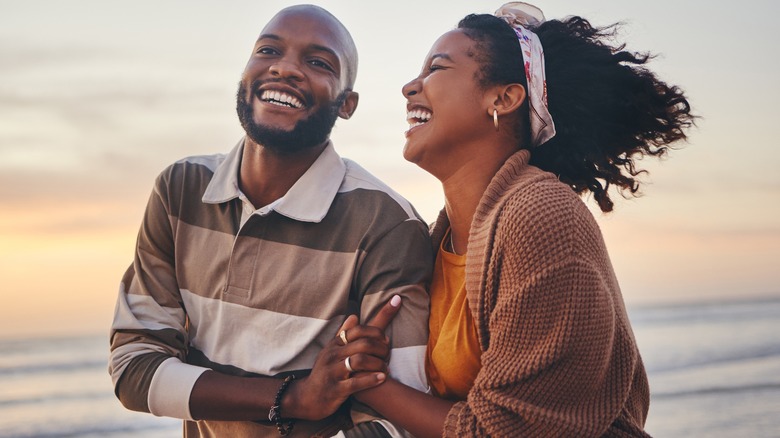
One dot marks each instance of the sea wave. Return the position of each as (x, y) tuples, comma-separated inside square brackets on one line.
[(713, 358), (43, 368), (717, 390), (55, 397), (103, 430), (718, 312)]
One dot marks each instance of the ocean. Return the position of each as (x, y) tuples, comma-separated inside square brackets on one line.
[(714, 371)]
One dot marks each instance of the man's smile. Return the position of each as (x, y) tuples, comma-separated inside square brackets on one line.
[(281, 98)]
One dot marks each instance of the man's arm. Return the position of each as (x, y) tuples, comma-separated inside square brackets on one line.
[(148, 335), (218, 396), (149, 340), (400, 263)]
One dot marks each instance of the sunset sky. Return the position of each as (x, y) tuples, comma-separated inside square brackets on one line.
[(97, 97)]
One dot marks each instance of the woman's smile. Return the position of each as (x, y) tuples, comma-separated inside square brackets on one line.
[(417, 116)]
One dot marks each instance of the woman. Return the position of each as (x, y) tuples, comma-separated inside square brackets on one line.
[(529, 335)]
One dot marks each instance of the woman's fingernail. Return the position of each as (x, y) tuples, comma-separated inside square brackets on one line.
[(395, 301), (381, 377)]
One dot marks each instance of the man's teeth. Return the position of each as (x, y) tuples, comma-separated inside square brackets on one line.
[(281, 99), (417, 117)]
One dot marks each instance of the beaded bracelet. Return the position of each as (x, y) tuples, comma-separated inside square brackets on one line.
[(275, 414)]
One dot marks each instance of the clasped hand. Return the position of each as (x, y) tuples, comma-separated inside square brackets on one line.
[(342, 369)]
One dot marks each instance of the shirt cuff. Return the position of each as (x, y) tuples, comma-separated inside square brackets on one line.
[(169, 392), (407, 365)]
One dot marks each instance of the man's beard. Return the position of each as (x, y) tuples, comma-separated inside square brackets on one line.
[(307, 133)]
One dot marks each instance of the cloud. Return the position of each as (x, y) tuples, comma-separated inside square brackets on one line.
[(22, 189), (81, 90), (22, 57), (100, 106)]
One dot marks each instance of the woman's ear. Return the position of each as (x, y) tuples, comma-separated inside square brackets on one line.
[(506, 99)]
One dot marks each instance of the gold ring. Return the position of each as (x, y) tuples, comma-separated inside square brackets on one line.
[(347, 364), (343, 336)]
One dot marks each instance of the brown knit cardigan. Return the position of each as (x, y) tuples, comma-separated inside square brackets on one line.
[(559, 358)]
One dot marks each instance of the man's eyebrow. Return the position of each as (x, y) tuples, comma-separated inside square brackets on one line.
[(325, 49), (269, 36)]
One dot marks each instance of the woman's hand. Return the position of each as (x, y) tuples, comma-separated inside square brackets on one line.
[(342, 369)]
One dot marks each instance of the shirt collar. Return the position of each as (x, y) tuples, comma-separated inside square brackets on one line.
[(224, 184), (308, 200)]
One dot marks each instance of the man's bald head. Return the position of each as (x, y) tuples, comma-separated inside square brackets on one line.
[(347, 47)]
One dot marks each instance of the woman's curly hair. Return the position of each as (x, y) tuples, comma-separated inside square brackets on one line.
[(608, 109)]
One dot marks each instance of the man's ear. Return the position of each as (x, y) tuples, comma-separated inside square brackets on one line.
[(506, 99), (349, 106)]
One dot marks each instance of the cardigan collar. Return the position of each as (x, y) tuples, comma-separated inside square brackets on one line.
[(505, 175), (480, 236)]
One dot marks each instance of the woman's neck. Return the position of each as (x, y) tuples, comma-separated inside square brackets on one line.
[(463, 191)]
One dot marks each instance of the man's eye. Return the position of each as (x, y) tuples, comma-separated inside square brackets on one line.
[(321, 64), (266, 51)]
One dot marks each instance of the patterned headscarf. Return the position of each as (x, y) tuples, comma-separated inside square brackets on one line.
[(523, 17)]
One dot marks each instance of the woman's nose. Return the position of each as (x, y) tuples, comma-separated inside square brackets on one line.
[(411, 88)]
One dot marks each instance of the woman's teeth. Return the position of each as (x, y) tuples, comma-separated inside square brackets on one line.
[(417, 117)]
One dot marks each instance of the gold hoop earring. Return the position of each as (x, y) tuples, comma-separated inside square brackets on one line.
[(495, 118)]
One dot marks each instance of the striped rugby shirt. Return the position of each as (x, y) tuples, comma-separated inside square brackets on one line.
[(218, 285)]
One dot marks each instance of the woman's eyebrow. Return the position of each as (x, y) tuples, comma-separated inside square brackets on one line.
[(442, 56)]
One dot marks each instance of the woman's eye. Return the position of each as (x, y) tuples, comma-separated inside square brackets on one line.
[(435, 67)]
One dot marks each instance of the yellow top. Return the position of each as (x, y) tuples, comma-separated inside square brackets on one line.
[(453, 357)]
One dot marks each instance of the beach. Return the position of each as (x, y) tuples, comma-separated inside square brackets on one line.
[(714, 370)]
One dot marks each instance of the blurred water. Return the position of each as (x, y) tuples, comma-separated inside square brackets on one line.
[(714, 371), (714, 368), (60, 387)]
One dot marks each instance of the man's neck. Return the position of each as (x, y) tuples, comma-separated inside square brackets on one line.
[(265, 176)]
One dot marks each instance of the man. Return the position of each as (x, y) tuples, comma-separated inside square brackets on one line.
[(248, 263)]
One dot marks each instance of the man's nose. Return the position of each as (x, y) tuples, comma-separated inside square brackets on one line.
[(285, 68)]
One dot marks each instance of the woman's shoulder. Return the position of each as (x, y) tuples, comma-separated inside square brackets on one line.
[(518, 182), (541, 195), (541, 211)]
